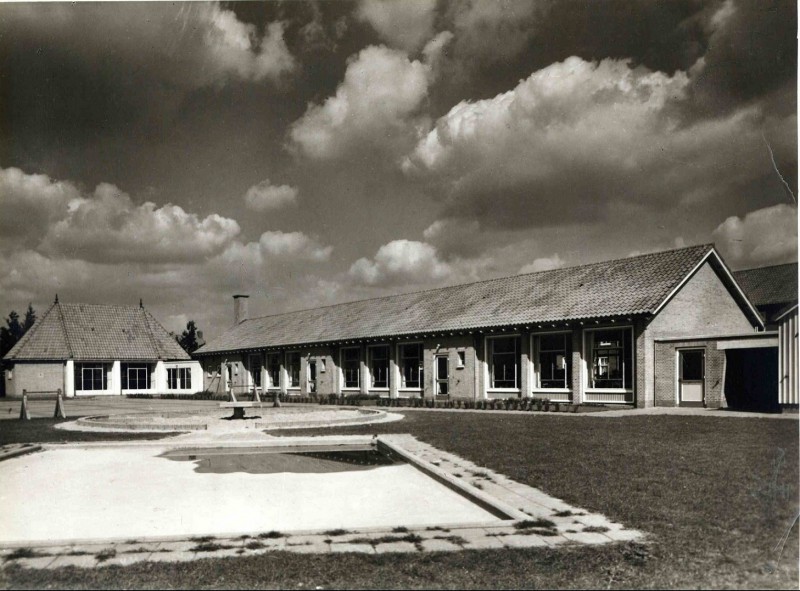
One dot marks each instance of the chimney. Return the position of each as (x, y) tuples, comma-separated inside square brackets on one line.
[(239, 308)]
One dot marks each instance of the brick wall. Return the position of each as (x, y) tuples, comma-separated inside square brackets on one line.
[(35, 377), (666, 367), (703, 307)]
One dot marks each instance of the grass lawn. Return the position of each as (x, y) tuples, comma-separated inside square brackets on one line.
[(43, 431), (716, 494)]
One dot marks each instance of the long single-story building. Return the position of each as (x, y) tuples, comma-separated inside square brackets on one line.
[(93, 350), (650, 330)]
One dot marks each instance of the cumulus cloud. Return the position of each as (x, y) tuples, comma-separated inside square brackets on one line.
[(235, 48), (294, 245), (186, 45), (29, 203), (577, 136), (412, 263), (492, 32), (108, 227), (406, 25), (766, 236), (543, 264), (376, 107), (265, 196)]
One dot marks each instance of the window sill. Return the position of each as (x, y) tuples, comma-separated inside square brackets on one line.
[(548, 390), (610, 390), (504, 390), (409, 389)]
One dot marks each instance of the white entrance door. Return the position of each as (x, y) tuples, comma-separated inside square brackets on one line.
[(691, 377)]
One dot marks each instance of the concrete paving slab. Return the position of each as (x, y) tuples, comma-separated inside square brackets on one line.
[(395, 547), (37, 562), (136, 548), (593, 519), (309, 549), (623, 535), (587, 538), (522, 541), (433, 545), (483, 543), (125, 559), (65, 560), (178, 556), (346, 547)]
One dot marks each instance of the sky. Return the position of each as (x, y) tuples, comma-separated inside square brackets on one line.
[(312, 153)]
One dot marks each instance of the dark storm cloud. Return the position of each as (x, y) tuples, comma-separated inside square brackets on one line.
[(751, 53), (76, 75)]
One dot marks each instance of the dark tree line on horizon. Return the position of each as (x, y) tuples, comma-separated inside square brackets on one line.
[(12, 332)]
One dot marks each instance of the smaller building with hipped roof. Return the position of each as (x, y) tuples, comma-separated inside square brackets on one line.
[(99, 349)]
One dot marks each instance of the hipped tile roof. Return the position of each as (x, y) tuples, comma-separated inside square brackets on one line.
[(766, 286), (624, 287), (97, 332)]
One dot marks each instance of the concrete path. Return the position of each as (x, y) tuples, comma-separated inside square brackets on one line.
[(540, 520)]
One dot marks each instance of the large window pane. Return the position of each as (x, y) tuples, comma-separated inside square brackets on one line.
[(612, 362), (274, 370), (411, 372), (293, 369), (351, 367), (179, 378), (90, 376), (379, 366), (503, 362), (555, 352), (255, 369), (135, 376)]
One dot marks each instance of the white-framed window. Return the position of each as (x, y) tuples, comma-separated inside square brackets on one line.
[(255, 362), (91, 376), (179, 378), (552, 360), (350, 361), (411, 366), (502, 354), (610, 355), (135, 376), (378, 362), (293, 369), (274, 370)]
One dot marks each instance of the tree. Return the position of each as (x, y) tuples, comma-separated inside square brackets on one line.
[(188, 339), (30, 319), (11, 333)]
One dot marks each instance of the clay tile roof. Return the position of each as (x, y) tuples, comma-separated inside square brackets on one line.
[(766, 286), (630, 286), (96, 332)]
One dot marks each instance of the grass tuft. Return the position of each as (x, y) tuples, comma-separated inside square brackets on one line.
[(210, 547), (528, 523), (22, 553), (595, 529), (106, 554), (336, 532), (270, 535)]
